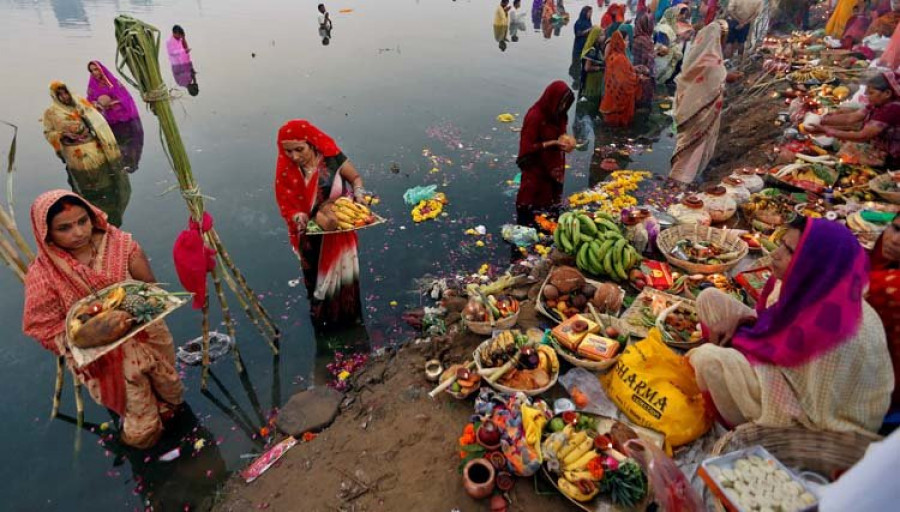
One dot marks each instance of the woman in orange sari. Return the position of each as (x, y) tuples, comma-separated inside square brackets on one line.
[(884, 294), (79, 252), (312, 170), (622, 87)]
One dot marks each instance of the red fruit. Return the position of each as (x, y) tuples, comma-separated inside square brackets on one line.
[(612, 332), (602, 442), (570, 417), (636, 274)]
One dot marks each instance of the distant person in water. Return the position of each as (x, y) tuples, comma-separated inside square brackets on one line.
[(324, 19), (180, 58)]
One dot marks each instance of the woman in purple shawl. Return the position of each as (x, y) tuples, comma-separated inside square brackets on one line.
[(813, 353), (114, 101)]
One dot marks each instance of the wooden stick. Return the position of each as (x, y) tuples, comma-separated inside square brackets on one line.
[(229, 321), (254, 302), (79, 400), (57, 390)]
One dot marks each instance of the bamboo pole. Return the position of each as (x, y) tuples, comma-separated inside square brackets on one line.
[(137, 59)]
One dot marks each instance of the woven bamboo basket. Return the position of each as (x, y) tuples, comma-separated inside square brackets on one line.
[(726, 239), (879, 186), (486, 329), (825, 453), (587, 364), (476, 356)]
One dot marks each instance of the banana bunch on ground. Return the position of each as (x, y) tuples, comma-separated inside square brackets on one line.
[(351, 214), (598, 244), (805, 75)]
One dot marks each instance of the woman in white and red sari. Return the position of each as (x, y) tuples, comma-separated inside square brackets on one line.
[(312, 170)]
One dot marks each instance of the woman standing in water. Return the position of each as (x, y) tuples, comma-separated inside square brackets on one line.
[(699, 97), (310, 172), (112, 99), (622, 87), (180, 58), (83, 140), (79, 252), (542, 149)]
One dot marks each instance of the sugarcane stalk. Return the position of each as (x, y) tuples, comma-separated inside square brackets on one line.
[(10, 225), (79, 400), (137, 59), (229, 321), (205, 373), (11, 260), (245, 305), (57, 390)]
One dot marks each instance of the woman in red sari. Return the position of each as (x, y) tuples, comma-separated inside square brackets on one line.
[(542, 150), (622, 87), (312, 170), (884, 294), (79, 252)]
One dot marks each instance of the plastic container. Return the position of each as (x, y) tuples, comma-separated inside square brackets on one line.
[(690, 211)]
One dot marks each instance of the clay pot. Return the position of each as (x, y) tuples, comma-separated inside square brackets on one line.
[(488, 435), (478, 478), (433, 370), (505, 481)]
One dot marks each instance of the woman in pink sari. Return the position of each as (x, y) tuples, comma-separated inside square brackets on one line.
[(180, 58), (114, 101), (79, 252), (311, 171), (813, 352)]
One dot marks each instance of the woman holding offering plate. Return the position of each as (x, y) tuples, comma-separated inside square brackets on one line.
[(80, 253)]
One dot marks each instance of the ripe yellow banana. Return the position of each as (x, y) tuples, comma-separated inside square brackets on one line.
[(571, 444), (582, 461), (577, 474), (575, 455), (552, 361), (571, 490), (345, 225)]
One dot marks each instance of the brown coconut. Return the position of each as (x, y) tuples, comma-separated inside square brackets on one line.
[(566, 279), (608, 297), (326, 218)]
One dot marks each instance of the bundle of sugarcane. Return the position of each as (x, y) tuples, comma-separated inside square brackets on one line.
[(137, 60), (13, 249)]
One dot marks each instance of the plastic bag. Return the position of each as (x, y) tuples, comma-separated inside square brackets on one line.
[(522, 236), (192, 351), (587, 393), (671, 488), (656, 388), (415, 195)]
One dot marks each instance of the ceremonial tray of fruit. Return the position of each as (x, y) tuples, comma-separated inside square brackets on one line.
[(342, 215), (587, 343), (511, 362), (676, 317), (104, 320), (566, 292), (467, 380), (691, 285), (810, 173), (887, 186), (583, 459)]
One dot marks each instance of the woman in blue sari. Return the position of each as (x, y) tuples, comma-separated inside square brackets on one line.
[(582, 28)]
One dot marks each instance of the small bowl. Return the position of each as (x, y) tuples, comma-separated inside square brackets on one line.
[(433, 370)]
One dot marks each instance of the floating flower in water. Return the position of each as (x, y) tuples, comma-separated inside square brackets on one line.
[(393, 303), (104, 426), (506, 118), (199, 444), (429, 208), (484, 269), (479, 244), (343, 367)]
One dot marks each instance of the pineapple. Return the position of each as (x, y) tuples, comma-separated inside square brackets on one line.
[(141, 308)]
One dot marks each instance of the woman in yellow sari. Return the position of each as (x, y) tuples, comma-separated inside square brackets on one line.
[(84, 141), (839, 18)]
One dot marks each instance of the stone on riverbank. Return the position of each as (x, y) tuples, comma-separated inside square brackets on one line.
[(310, 410)]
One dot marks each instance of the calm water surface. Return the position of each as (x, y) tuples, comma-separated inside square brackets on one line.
[(402, 84)]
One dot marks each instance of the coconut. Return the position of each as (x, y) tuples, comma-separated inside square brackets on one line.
[(551, 292), (608, 297), (566, 279)]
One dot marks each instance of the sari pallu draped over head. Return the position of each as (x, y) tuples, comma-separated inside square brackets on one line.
[(820, 300), (95, 145), (699, 99), (666, 33), (56, 281), (333, 274), (582, 24), (622, 87), (123, 111), (543, 169)]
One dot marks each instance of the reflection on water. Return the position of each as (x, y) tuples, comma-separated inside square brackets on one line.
[(70, 14)]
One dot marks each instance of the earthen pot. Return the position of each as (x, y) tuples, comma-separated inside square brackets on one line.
[(478, 478), (488, 435)]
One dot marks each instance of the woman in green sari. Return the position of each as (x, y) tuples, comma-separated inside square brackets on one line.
[(592, 65)]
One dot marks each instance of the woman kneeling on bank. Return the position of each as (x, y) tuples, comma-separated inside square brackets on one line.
[(813, 353)]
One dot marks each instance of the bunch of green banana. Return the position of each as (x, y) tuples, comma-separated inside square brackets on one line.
[(599, 246)]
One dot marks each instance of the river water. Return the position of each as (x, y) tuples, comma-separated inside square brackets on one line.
[(409, 89)]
